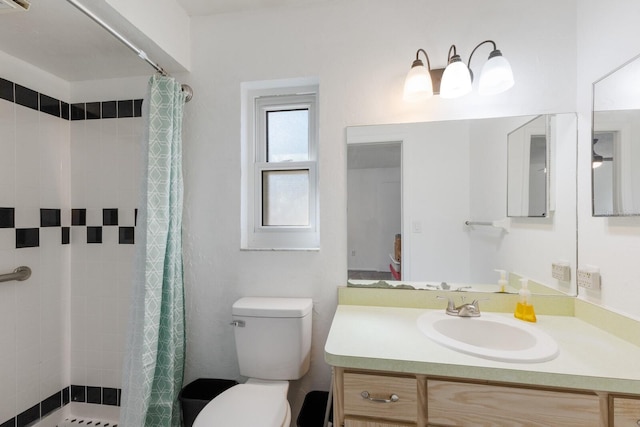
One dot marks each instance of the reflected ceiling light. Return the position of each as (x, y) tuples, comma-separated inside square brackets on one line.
[(455, 80)]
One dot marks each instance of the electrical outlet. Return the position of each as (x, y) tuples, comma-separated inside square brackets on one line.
[(589, 278), (561, 271)]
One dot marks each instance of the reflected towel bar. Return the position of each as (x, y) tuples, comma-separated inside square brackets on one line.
[(505, 223), (21, 273)]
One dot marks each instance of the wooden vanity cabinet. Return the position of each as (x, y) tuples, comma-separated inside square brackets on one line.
[(425, 401), (625, 411)]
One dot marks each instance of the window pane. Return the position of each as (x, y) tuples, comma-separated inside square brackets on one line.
[(288, 135), (285, 198)]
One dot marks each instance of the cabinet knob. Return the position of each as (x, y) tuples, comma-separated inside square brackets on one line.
[(391, 399)]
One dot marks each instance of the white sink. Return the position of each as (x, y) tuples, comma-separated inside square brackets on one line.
[(489, 336)]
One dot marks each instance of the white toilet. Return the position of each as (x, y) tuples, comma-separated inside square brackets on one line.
[(273, 342)]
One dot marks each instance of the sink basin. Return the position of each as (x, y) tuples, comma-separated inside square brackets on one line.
[(489, 336)]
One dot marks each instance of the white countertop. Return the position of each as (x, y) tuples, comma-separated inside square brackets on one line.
[(387, 339)]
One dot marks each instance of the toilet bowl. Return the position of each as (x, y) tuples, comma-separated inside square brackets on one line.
[(252, 404), (273, 344)]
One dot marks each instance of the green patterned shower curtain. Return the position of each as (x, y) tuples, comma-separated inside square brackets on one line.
[(154, 358)]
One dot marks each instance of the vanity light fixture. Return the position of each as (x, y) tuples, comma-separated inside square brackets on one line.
[(455, 80)]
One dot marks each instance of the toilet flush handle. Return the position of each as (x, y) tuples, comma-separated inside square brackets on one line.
[(239, 323)]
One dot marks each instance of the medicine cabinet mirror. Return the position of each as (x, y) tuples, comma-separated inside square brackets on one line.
[(615, 159), (440, 188)]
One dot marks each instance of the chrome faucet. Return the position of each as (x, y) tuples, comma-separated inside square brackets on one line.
[(464, 310)]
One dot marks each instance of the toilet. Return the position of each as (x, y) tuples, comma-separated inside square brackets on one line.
[(273, 343)]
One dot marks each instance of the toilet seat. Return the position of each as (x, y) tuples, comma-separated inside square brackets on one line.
[(248, 405)]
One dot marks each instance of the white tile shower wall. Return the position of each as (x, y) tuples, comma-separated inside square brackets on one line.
[(104, 174), (34, 313)]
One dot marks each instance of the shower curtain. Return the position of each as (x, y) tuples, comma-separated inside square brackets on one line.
[(154, 357)]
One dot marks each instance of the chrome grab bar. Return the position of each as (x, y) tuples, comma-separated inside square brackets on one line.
[(21, 273)]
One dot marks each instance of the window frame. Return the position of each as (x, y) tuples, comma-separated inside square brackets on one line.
[(255, 235)]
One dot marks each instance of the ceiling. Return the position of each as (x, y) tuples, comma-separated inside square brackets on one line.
[(56, 37)]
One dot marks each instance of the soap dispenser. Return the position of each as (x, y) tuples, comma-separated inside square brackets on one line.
[(524, 309), (502, 283)]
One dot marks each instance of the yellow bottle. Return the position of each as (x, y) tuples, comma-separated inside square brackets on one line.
[(524, 309)]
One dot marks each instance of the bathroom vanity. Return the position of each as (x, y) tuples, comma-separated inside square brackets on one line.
[(388, 374)]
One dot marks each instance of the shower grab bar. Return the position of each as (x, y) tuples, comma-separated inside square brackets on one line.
[(21, 273), (479, 223)]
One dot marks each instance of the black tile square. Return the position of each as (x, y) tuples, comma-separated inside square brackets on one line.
[(135, 217), (94, 394), (65, 110), (49, 105), (109, 110), (27, 417), (66, 395), (93, 110), (78, 393), (26, 97), (6, 90), (119, 397), (49, 217), (77, 111), (9, 423), (78, 217), (27, 237), (66, 235), (51, 403), (7, 218), (110, 216), (127, 235), (110, 396), (125, 108), (94, 234), (137, 108)]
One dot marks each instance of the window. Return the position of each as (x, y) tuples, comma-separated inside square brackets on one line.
[(280, 174)]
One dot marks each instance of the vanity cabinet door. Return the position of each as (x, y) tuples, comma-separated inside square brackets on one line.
[(372, 397), (468, 404), (626, 412)]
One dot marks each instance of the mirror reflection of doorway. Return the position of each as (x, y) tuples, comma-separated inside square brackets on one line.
[(374, 209)]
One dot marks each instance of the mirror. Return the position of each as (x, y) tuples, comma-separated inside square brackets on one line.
[(615, 160), (527, 169), (443, 186)]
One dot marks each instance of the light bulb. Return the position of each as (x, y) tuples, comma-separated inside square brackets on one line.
[(418, 85), (456, 79), (496, 75)]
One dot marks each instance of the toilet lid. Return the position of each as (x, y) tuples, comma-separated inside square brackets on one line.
[(245, 405)]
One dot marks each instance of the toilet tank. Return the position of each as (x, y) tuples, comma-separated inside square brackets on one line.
[(273, 337)]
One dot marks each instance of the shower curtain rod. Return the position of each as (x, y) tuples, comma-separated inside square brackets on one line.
[(141, 53)]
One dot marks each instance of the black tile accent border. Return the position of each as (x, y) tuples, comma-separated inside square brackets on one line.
[(74, 393), (6, 92), (26, 97), (7, 218), (94, 234), (49, 217), (66, 235), (110, 216), (29, 98), (126, 235), (78, 217), (94, 395), (27, 237), (29, 416)]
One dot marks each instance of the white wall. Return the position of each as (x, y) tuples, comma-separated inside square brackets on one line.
[(612, 244), (361, 51), (34, 174)]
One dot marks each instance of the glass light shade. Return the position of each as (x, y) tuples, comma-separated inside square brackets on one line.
[(418, 84), (456, 80), (496, 76)]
